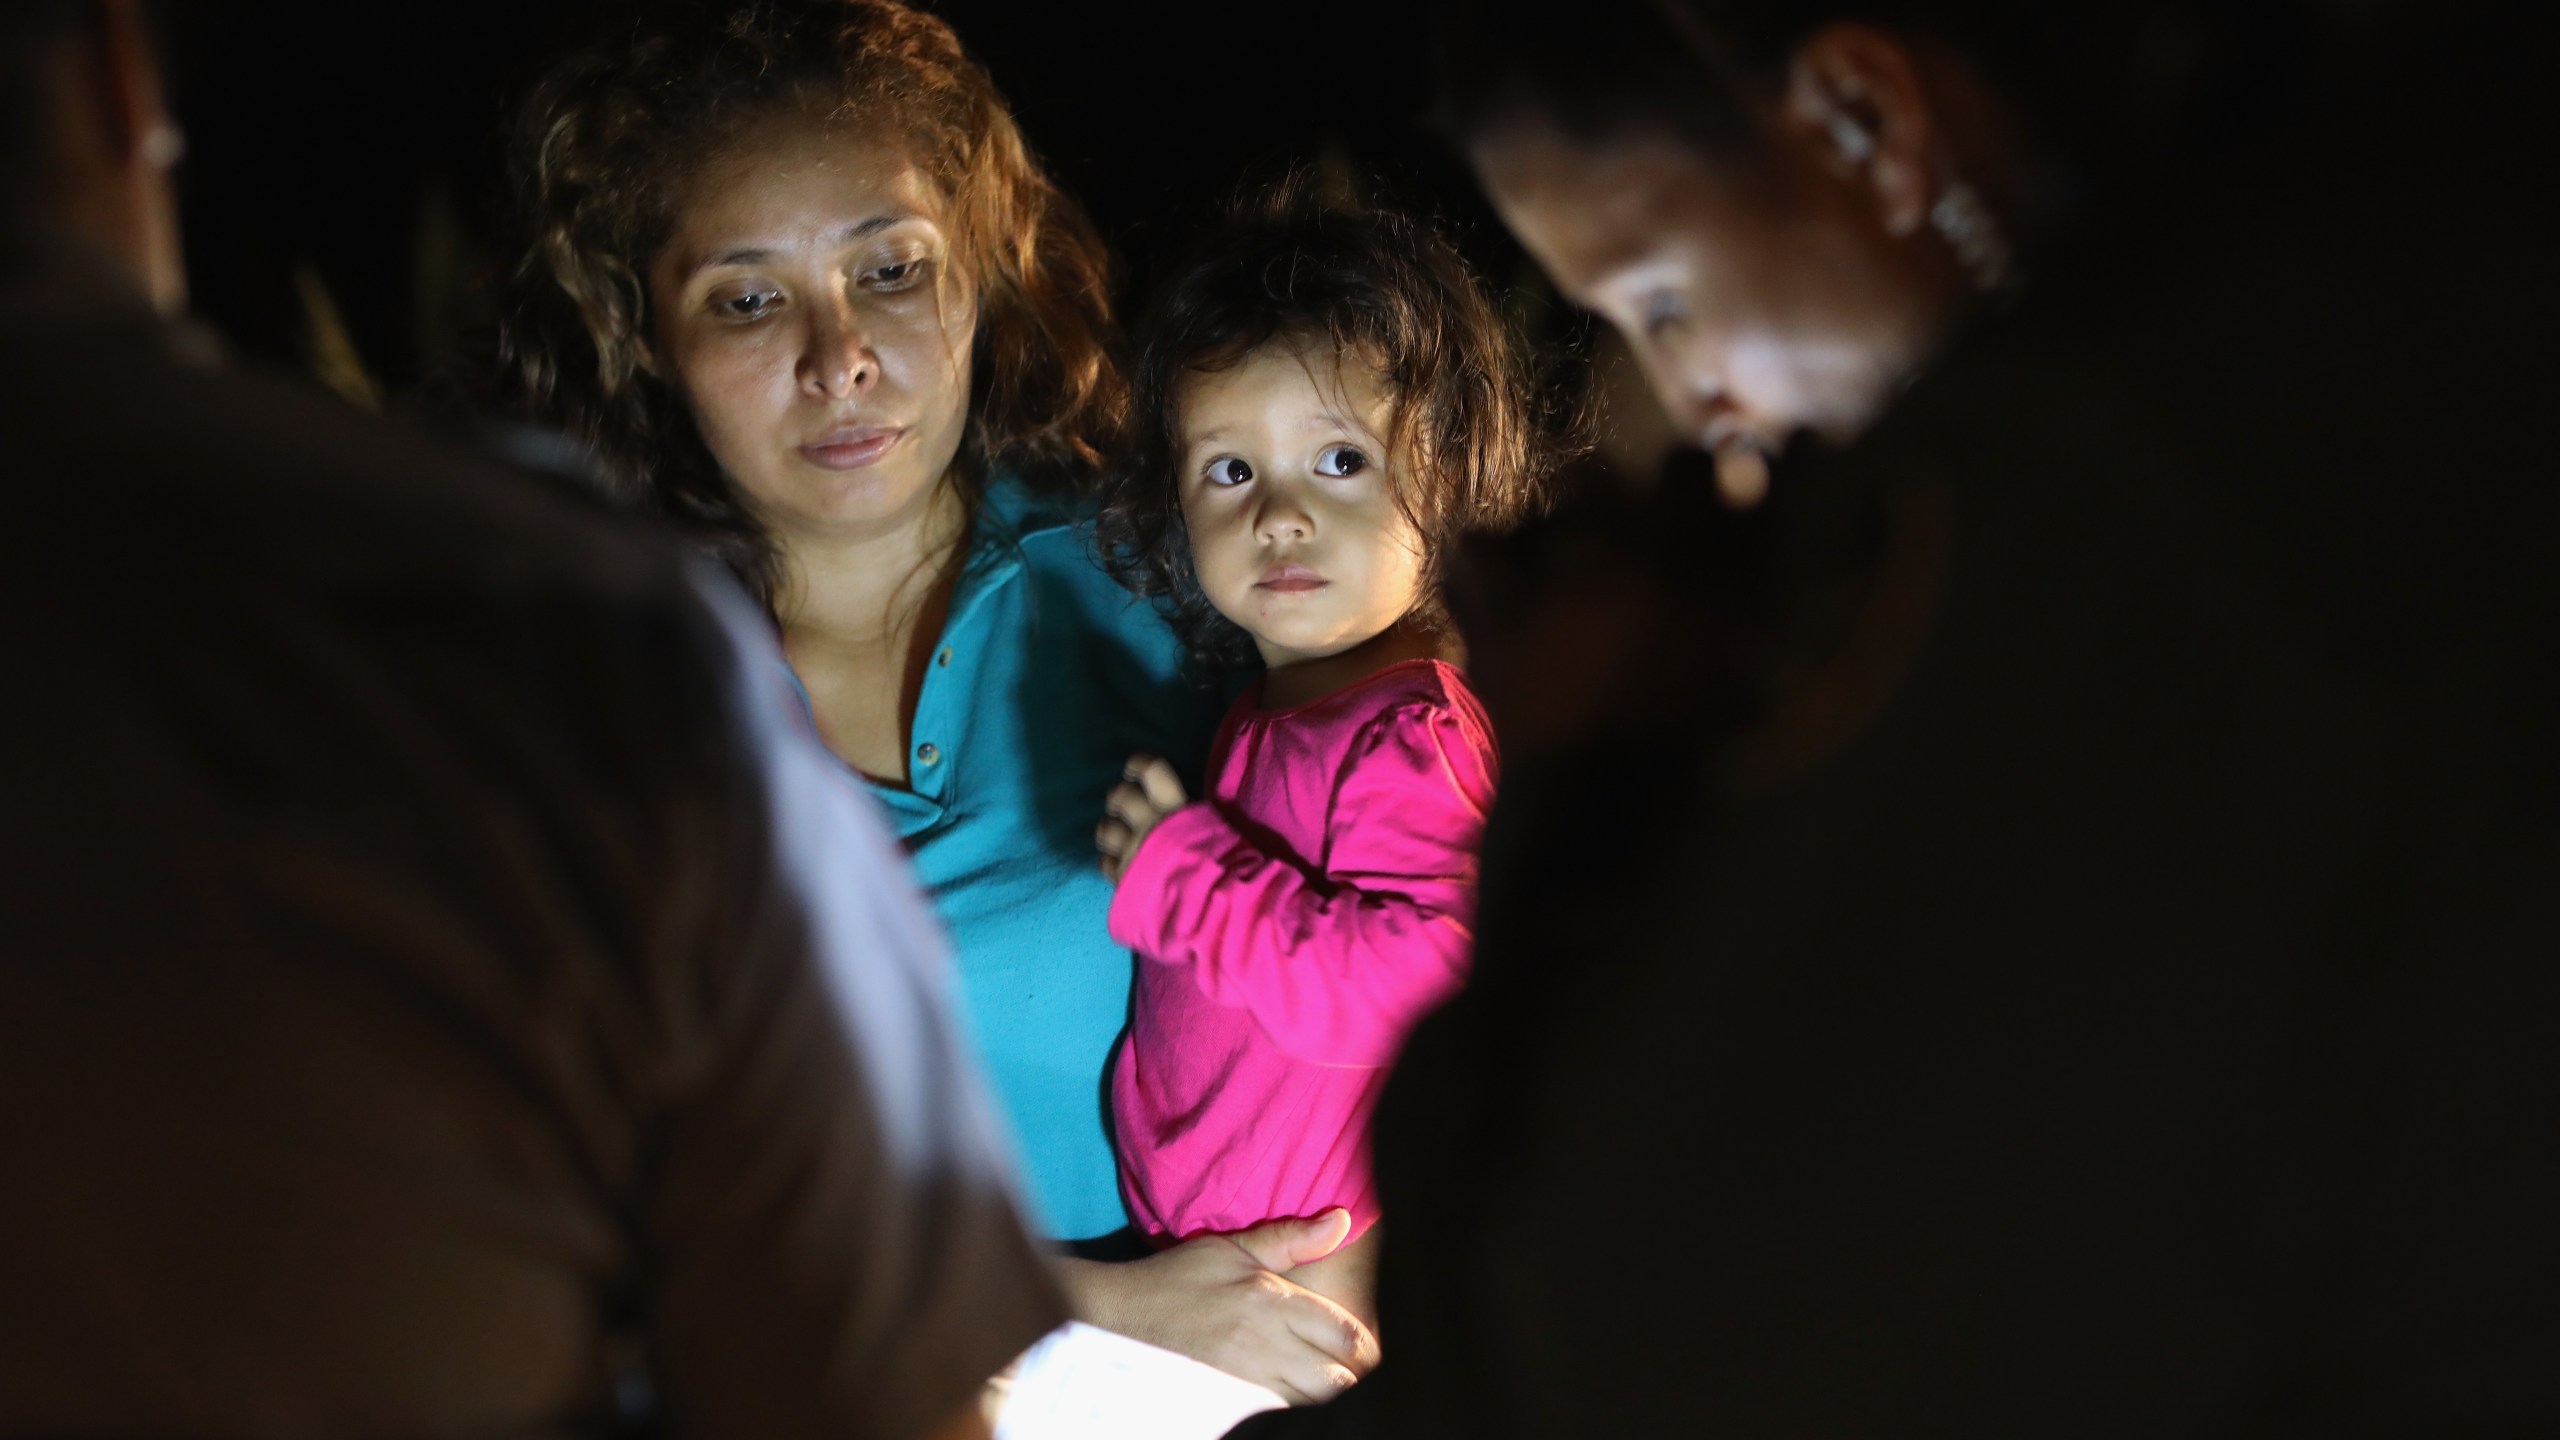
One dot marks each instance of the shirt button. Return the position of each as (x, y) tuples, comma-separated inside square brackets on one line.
[(943, 659), (927, 754)]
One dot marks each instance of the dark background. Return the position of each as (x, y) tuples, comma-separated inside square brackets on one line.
[(344, 156)]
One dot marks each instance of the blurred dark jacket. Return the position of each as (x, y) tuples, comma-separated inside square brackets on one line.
[(2118, 993), (439, 990)]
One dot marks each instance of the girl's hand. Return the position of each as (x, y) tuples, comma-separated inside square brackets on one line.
[(1148, 792), (1221, 1300)]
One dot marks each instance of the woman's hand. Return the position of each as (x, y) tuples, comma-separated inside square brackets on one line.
[(1221, 1300), (1148, 792)]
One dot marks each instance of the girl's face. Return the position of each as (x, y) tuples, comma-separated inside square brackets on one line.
[(808, 311), (1295, 532)]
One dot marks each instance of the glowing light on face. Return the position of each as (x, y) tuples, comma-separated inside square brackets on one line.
[(1758, 304), (1290, 502)]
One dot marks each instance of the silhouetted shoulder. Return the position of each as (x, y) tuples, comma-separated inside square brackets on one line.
[(131, 429)]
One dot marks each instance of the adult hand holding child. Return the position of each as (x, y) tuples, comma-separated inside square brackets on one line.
[(1225, 1300)]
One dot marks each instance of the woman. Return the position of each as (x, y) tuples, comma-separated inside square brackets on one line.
[(796, 280)]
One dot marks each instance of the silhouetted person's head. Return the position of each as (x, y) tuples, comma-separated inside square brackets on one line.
[(1788, 205), (86, 143)]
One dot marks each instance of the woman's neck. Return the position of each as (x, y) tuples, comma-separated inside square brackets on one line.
[(861, 612), (1286, 686), (863, 586)]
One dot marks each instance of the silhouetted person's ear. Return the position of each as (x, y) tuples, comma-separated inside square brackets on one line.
[(114, 146)]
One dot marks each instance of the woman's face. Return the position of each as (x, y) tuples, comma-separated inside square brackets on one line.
[(1760, 304), (808, 310)]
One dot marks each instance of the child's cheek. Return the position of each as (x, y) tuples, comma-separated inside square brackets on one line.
[(1398, 562), (1225, 553)]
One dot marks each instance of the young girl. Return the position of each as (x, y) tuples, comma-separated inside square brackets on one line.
[(1329, 400)]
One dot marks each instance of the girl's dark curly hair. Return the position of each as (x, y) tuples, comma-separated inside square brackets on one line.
[(601, 149), (1468, 448)]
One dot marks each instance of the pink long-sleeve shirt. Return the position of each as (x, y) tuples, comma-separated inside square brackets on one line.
[(1291, 930)]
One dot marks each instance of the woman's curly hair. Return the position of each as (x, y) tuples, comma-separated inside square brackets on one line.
[(600, 153), (1468, 447)]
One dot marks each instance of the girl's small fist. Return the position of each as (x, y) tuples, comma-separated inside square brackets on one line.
[(1148, 792)]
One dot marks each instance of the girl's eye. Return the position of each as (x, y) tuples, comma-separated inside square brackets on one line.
[(751, 305), (1228, 471), (1340, 460)]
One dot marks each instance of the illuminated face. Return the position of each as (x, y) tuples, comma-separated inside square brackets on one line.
[(1295, 533), (1759, 304), (809, 313)]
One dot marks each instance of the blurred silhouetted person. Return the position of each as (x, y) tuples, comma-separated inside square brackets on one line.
[(2107, 987), (443, 993)]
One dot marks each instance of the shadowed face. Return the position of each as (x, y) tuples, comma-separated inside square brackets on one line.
[(1759, 304), (808, 311), (1290, 503)]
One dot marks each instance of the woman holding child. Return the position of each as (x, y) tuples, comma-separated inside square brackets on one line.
[(797, 282)]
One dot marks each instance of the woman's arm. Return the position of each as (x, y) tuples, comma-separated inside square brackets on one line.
[(1224, 1301), (1336, 967)]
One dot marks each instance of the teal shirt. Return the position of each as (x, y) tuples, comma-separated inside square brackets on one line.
[(1048, 676)]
